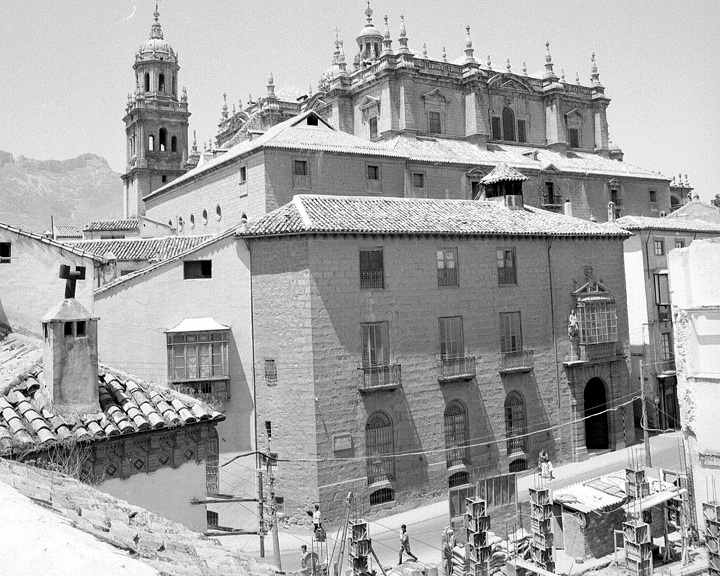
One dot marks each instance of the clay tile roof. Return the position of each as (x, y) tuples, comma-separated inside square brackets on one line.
[(414, 216), (68, 247), (126, 406), (503, 173), (150, 249), (68, 232), (108, 225), (669, 224), (91, 529)]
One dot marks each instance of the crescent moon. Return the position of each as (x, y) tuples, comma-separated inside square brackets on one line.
[(133, 13)]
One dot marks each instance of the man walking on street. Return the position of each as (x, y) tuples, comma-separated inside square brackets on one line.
[(405, 545)]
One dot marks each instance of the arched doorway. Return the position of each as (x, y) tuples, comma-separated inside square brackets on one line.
[(596, 419)]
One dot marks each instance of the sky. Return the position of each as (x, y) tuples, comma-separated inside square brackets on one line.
[(66, 66)]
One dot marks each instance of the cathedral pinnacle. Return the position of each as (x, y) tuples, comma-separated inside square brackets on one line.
[(387, 42), (369, 13), (507, 66), (468, 46), (403, 35), (444, 55), (156, 30), (524, 69), (548, 63), (271, 86), (225, 106), (594, 74)]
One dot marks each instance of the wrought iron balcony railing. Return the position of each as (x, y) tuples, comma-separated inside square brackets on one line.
[(380, 377), (518, 361), (451, 369)]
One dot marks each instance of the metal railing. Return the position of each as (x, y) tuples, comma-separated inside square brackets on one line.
[(462, 368), (380, 468), (371, 280), (518, 360), (507, 275), (380, 376)]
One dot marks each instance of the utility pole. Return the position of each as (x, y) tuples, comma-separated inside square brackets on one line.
[(261, 513), (273, 509)]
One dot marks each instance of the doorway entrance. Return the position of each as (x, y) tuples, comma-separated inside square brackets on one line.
[(597, 435)]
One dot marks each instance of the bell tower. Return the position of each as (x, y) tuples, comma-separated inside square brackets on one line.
[(156, 122)]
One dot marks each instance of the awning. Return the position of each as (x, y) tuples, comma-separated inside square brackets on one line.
[(198, 325)]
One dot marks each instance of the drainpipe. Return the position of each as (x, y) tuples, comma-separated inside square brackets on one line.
[(552, 324)]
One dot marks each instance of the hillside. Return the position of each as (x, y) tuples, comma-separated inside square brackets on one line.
[(75, 191)]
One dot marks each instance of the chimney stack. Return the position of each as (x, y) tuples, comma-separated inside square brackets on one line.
[(567, 208), (70, 356)]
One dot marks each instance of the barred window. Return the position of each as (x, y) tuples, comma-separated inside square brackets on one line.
[(375, 345), (506, 266), (597, 321), (371, 269), (455, 433), (212, 463), (447, 267), (197, 355), (458, 479), (515, 422), (270, 372), (379, 447), (382, 496), (452, 343)]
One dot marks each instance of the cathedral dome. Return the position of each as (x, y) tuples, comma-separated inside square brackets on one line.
[(369, 31), (156, 47)]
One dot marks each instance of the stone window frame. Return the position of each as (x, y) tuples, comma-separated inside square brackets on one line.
[(436, 101), (574, 120)]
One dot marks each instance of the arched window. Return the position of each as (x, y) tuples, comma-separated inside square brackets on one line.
[(212, 463), (204, 217), (508, 121), (218, 213), (163, 140), (161, 83), (147, 82), (151, 143), (173, 143), (382, 496), (379, 448), (455, 433), (515, 422), (458, 479)]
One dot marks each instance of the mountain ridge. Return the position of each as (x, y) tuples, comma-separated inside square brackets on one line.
[(74, 191)]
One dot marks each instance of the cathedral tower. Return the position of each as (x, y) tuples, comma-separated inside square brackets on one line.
[(156, 122)]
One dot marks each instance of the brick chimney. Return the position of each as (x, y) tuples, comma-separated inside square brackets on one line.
[(70, 355)]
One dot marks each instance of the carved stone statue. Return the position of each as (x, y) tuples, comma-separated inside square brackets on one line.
[(572, 325)]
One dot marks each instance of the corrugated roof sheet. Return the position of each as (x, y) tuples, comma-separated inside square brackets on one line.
[(126, 406), (150, 249), (408, 216), (668, 224), (112, 225)]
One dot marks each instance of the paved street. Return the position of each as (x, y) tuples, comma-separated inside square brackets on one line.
[(425, 524)]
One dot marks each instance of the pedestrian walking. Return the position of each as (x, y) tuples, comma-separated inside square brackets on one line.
[(317, 523), (405, 545), (546, 467), (449, 543)]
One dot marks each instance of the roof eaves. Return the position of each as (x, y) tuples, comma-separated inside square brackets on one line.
[(45, 240)]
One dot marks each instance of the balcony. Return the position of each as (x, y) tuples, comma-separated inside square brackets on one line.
[(664, 314), (517, 362), (453, 369), (375, 378), (666, 368)]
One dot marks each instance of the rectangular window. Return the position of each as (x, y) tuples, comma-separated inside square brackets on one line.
[(506, 266), (301, 174), (243, 174), (597, 321), (447, 267), (574, 137), (662, 289), (679, 242), (373, 179), (653, 196), (212, 464), (373, 172), (550, 196), (496, 128), (452, 344), (80, 328), (434, 126), (197, 269), (375, 345), (510, 332), (667, 347), (522, 136), (270, 372), (418, 180), (371, 269), (659, 245), (197, 356), (615, 198), (373, 128), (213, 519), (5, 252)]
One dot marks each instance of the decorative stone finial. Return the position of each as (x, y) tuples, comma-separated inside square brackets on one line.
[(194, 144), (562, 75), (507, 65), (225, 106), (468, 46), (369, 13), (403, 36), (425, 51), (444, 55), (594, 76), (250, 100), (577, 78), (489, 64), (387, 42), (548, 63), (524, 69), (271, 86), (155, 29)]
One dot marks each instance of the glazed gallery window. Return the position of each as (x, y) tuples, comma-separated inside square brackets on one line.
[(197, 356), (597, 321)]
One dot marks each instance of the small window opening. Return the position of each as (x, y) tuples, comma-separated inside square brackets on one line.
[(574, 137), (164, 178), (418, 180), (161, 83), (205, 217), (382, 496), (163, 140), (312, 120), (243, 174), (68, 328), (151, 143), (174, 86), (80, 329), (5, 252), (653, 196), (213, 519), (270, 371), (268, 428), (197, 269), (373, 128), (373, 172), (45, 331), (147, 82), (173, 144), (192, 220), (218, 213)]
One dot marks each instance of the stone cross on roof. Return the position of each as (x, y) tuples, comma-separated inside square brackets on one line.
[(71, 277)]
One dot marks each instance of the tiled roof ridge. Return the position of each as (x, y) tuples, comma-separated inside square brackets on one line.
[(152, 267), (667, 224), (51, 242), (146, 248), (113, 224)]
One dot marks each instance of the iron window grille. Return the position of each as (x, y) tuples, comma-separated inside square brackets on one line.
[(212, 463), (455, 434), (379, 446), (507, 270), (371, 269), (515, 423), (447, 267)]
